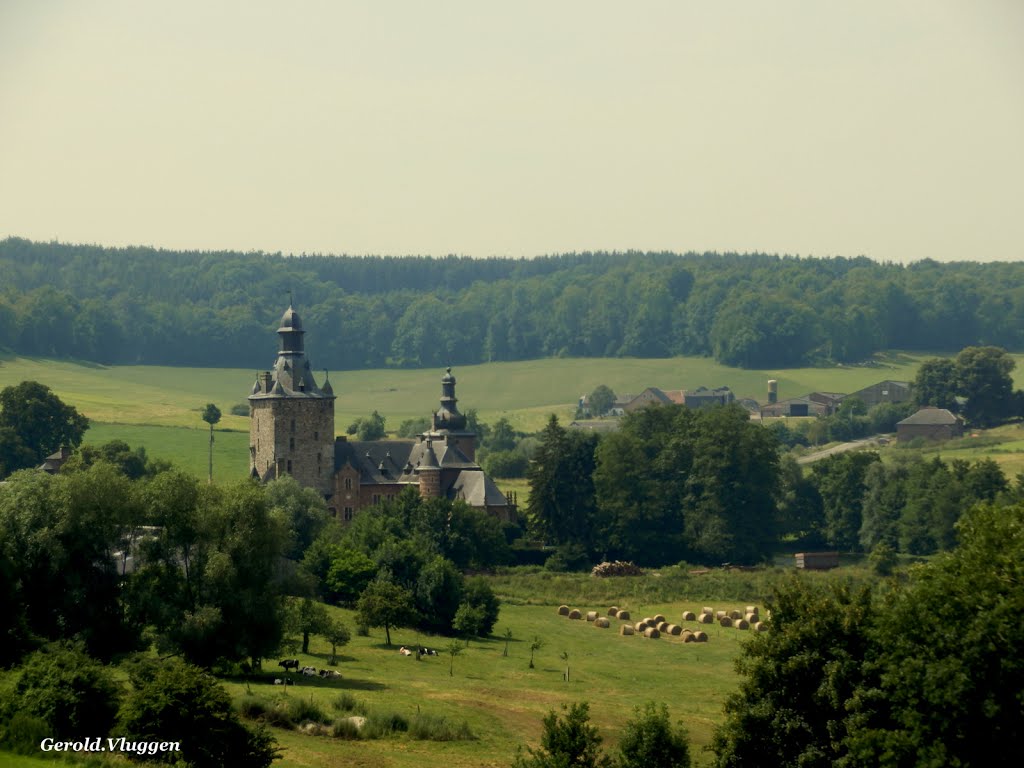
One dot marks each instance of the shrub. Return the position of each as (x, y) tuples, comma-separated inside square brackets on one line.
[(346, 729), (307, 711), (436, 728), (346, 702), (383, 724), (183, 703), (649, 739), (252, 707), (69, 691), (240, 409)]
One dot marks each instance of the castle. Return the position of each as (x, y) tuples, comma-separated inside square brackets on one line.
[(291, 431)]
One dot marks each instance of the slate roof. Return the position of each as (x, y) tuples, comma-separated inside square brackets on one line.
[(931, 416), (477, 490)]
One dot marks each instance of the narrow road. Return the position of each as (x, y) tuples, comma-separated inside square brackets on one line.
[(865, 442)]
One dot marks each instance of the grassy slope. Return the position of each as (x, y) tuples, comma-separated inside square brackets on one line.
[(503, 700)]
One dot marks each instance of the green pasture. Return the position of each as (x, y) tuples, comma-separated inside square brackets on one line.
[(1004, 445), (501, 698), (525, 392), (187, 448)]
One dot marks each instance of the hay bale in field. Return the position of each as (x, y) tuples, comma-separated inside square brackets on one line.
[(591, 615), (602, 622), (689, 616), (575, 614), (613, 611), (674, 629), (689, 637), (761, 626), (705, 618), (734, 615), (563, 610), (720, 614), (641, 626), (751, 617), (752, 609), (622, 615), (658, 618), (662, 626), (725, 621), (652, 633), (705, 609), (649, 621), (700, 637), (625, 629), (742, 624)]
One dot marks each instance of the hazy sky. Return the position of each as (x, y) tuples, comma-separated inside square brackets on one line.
[(886, 128)]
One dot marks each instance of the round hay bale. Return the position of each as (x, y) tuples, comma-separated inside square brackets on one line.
[(613, 611), (700, 637), (663, 627), (622, 616), (751, 617), (742, 624), (689, 637), (641, 626), (761, 626), (734, 615), (575, 614), (720, 614), (563, 610), (752, 609), (705, 618), (591, 615), (602, 622), (705, 609), (725, 621), (658, 618), (689, 616), (652, 633), (674, 629), (625, 629), (649, 621)]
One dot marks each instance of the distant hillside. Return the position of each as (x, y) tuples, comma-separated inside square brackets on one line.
[(140, 305)]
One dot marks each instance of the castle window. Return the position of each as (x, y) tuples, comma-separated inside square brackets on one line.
[(376, 498), (348, 513), (316, 435), (319, 458), (348, 483), (291, 443), (289, 466), (293, 425)]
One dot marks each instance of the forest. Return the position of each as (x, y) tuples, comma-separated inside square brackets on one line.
[(146, 306)]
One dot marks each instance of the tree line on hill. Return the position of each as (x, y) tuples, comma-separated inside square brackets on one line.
[(140, 305)]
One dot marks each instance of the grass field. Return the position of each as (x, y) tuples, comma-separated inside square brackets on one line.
[(525, 392)]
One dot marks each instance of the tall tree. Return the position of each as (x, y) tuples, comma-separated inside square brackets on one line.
[(37, 422), (936, 384), (984, 378), (211, 415)]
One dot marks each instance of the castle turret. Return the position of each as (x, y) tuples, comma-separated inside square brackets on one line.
[(429, 472), (291, 429), (448, 424)]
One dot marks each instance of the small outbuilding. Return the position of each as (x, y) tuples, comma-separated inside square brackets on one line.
[(931, 424)]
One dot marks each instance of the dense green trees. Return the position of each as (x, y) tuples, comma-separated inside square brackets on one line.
[(915, 675), (142, 305), (33, 424), (980, 375), (675, 483)]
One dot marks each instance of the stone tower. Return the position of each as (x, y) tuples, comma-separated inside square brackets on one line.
[(291, 419), (448, 425)]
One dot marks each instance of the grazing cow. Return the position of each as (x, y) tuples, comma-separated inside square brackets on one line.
[(325, 673), (405, 651), (288, 664), (309, 671), (335, 675)]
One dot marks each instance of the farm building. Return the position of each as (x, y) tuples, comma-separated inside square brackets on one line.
[(931, 424), (883, 392), (291, 431)]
